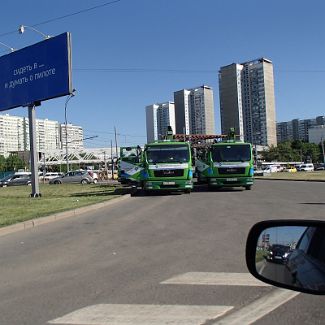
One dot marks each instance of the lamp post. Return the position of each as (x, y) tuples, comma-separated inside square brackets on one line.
[(66, 128), (323, 151), (22, 28)]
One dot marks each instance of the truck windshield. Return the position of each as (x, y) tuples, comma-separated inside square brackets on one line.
[(168, 154), (130, 154), (224, 153)]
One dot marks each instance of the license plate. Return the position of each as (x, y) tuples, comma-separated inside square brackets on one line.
[(231, 179), (278, 257), (168, 183)]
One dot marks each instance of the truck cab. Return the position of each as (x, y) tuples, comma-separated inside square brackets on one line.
[(167, 167), (226, 164)]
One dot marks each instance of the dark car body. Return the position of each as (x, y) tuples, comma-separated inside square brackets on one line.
[(278, 253), (81, 177), (16, 180), (306, 264)]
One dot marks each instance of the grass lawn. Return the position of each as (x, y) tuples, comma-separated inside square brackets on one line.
[(16, 204), (260, 255), (317, 175)]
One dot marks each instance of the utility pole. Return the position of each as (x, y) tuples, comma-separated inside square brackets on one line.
[(112, 161), (322, 143), (115, 143), (105, 164)]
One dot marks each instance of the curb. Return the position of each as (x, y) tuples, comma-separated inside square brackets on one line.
[(291, 180), (58, 216)]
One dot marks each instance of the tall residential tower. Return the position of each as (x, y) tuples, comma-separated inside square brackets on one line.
[(247, 101), (194, 110)]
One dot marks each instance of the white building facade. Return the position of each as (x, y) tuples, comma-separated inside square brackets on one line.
[(14, 135), (158, 118)]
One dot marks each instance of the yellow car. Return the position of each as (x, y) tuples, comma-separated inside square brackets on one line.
[(290, 169)]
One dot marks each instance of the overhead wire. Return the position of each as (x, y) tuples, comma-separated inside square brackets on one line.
[(66, 16)]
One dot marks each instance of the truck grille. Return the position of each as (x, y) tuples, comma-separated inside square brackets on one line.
[(231, 170), (169, 173)]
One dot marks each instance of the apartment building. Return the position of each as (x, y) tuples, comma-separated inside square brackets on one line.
[(297, 129), (158, 118), (194, 110), (247, 101), (50, 135)]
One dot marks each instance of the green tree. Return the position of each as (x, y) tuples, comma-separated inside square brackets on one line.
[(2, 164), (293, 151), (13, 163)]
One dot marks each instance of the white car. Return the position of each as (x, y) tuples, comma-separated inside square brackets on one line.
[(49, 176), (306, 168)]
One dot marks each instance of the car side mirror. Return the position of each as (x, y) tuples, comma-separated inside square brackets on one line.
[(288, 254)]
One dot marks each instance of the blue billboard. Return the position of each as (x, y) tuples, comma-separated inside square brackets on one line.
[(36, 73)]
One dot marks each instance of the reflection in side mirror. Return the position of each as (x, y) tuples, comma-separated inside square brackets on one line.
[(289, 254)]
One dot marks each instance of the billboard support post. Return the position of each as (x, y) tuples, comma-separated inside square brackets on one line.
[(33, 151)]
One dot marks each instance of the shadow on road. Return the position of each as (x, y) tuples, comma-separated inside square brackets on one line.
[(107, 190), (313, 203), (205, 188)]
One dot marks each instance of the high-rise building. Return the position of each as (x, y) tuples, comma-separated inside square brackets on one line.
[(317, 134), (297, 129), (247, 101), (194, 111), (50, 135), (74, 134), (158, 118)]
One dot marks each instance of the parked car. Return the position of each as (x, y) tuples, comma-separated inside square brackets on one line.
[(305, 167), (15, 180), (93, 175), (320, 167), (271, 169), (290, 169), (50, 175), (81, 177)]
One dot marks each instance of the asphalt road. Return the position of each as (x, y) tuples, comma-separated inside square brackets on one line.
[(176, 259)]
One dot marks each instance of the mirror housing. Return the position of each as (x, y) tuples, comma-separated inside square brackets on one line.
[(289, 254)]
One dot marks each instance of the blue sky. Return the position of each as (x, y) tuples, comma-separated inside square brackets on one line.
[(197, 37)]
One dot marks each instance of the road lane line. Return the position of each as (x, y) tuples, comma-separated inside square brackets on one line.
[(108, 314), (259, 308), (212, 278)]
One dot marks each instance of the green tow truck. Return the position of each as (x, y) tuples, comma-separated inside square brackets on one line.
[(226, 163), (130, 165), (167, 166)]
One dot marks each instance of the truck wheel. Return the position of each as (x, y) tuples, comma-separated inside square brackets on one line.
[(248, 187), (187, 191)]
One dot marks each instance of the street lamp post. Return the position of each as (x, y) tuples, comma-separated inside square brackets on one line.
[(66, 128), (323, 151)]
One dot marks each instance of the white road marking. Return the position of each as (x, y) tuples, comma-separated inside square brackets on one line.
[(107, 314), (259, 308), (211, 278)]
